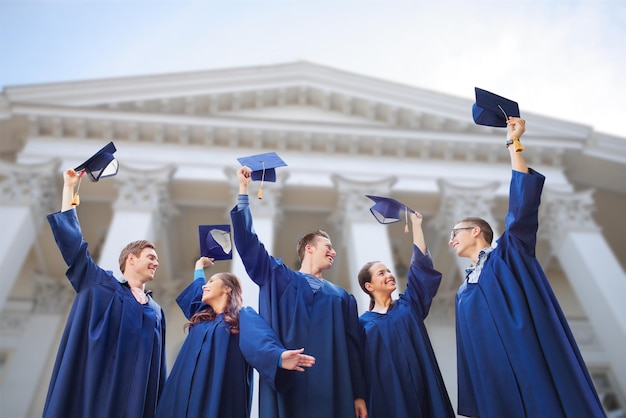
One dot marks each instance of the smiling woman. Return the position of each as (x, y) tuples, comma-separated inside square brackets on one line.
[(390, 327)]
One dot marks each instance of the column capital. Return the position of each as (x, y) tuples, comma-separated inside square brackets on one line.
[(146, 190), (562, 212), (30, 185), (459, 201), (352, 202), (52, 295)]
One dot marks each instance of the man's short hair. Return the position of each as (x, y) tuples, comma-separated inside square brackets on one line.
[(485, 228), (309, 239), (135, 248)]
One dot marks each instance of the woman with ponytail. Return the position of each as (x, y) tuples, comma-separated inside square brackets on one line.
[(401, 372), (211, 377)]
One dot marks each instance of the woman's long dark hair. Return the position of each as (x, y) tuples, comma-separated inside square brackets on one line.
[(365, 276), (231, 311)]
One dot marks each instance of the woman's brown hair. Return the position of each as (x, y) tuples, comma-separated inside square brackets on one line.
[(233, 305)]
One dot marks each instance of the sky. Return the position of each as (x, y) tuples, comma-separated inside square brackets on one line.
[(564, 59)]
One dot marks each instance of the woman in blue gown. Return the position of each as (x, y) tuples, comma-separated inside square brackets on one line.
[(211, 377), (401, 371)]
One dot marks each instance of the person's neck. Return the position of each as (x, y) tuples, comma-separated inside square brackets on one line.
[(219, 307), (382, 303), (477, 251), (308, 268), (136, 283)]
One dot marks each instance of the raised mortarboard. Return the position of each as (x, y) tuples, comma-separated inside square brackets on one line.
[(263, 167), (387, 211), (100, 165), (215, 242), (493, 110)]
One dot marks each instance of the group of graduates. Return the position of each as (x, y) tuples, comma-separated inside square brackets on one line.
[(516, 356)]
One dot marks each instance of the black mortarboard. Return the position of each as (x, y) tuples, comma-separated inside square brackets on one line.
[(387, 210), (215, 242), (100, 165), (263, 167), (493, 110)]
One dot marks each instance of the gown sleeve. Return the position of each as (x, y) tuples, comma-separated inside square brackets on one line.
[(260, 265), (261, 348), (82, 271), (423, 282)]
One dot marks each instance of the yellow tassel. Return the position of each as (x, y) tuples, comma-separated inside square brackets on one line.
[(75, 200), (517, 145), (406, 220), (260, 193)]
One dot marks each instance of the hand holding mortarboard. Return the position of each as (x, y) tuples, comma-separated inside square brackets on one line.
[(100, 165), (493, 110), (262, 167), (204, 262)]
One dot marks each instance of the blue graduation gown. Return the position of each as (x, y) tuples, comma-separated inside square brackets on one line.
[(210, 378), (111, 359), (401, 371), (324, 323), (516, 355)]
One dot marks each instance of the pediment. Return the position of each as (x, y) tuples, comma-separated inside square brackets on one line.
[(298, 106), (293, 92)]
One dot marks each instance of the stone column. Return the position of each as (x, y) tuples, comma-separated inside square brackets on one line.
[(364, 239), (591, 268), (141, 210), (29, 331), (27, 194)]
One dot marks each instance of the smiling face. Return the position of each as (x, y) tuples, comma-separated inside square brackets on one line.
[(382, 281), (215, 292), (464, 238), (322, 253), (145, 265)]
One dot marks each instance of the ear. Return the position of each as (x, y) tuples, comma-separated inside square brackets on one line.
[(369, 287)]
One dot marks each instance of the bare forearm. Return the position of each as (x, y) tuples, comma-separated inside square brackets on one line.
[(66, 198)]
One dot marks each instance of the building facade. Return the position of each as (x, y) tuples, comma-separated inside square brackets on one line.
[(342, 135)]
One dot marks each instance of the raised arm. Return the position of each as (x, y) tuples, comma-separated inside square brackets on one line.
[(243, 175), (70, 181), (515, 129), (418, 233)]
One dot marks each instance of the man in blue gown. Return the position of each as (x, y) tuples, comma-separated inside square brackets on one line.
[(516, 355), (111, 359), (402, 374), (308, 312)]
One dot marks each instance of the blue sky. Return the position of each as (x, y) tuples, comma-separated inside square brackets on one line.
[(560, 58)]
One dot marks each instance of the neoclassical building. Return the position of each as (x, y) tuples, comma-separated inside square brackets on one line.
[(343, 135)]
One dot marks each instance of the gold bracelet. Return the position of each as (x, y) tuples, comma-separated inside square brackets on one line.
[(518, 145)]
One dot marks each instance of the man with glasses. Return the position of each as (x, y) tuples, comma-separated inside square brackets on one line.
[(516, 356)]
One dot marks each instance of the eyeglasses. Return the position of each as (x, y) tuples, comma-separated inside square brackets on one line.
[(455, 230)]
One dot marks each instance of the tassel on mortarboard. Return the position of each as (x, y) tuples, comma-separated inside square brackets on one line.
[(263, 167), (76, 198)]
